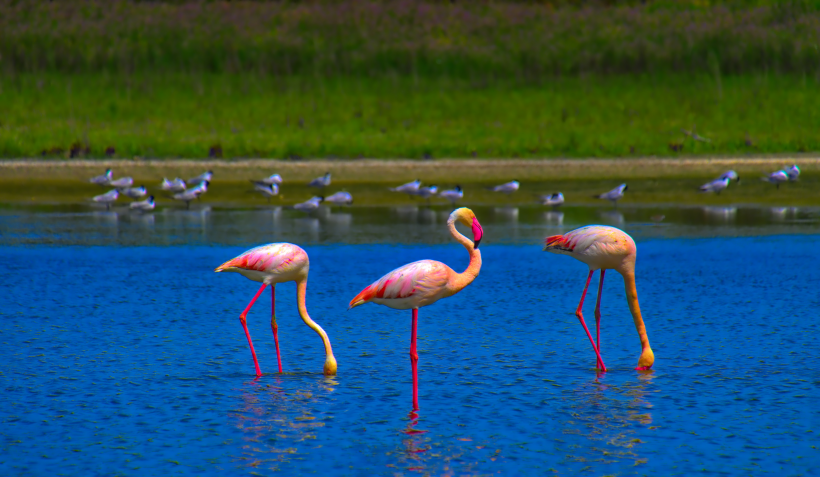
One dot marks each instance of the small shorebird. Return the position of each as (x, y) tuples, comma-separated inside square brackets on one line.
[(271, 264), (411, 188), (309, 205), (424, 282), (122, 182), (103, 180), (453, 195), (507, 188), (425, 192), (270, 180), (715, 186), (320, 182), (144, 205), (776, 178), (603, 248), (176, 185), (793, 172), (340, 198), (108, 198), (135, 192), (614, 195), (554, 200), (268, 190), (731, 175), (205, 176), (191, 194)]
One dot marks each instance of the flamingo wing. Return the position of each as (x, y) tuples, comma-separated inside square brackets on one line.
[(410, 286)]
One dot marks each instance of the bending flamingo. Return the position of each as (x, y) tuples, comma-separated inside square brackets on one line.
[(424, 282), (605, 248), (271, 264)]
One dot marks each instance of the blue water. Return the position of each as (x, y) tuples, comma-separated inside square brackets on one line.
[(122, 353)]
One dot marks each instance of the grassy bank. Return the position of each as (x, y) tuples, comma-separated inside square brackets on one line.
[(246, 115)]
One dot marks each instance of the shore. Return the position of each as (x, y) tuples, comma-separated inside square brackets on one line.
[(397, 171), (651, 181)]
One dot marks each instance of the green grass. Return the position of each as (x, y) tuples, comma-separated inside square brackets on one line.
[(181, 115)]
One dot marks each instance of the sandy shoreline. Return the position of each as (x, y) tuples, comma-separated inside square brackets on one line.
[(390, 171)]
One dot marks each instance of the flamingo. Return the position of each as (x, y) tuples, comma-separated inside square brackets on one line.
[(424, 282), (271, 264), (604, 248)]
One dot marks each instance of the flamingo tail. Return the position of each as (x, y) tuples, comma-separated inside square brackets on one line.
[(557, 242), (364, 296)]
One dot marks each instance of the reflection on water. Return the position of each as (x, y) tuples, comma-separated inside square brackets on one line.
[(406, 224)]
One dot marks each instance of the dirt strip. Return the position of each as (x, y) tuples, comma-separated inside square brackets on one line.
[(392, 171)]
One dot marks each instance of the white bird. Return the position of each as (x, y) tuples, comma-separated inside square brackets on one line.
[(200, 188), (715, 186), (340, 198), (143, 205), (453, 195), (309, 205), (554, 200), (108, 198), (186, 196), (205, 176), (135, 192), (793, 172), (104, 179), (270, 180), (426, 192), (731, 175), (776, 178), (268, 190), (409, 188), (614, 195), (507, 188), (122, 182), (322, 182), (176, 185)]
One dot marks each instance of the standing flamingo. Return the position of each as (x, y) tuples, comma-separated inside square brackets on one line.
[(605, 248), (424, 282), (271, 264)]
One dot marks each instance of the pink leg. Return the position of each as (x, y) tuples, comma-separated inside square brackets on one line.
[(598, 315), (414, 359), (245, 325), (273, 324), (581, 319)]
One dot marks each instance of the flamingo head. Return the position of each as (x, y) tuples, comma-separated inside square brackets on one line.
[(330, 366), (468, 218)]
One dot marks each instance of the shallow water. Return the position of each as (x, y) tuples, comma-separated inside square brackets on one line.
[(123, 355)]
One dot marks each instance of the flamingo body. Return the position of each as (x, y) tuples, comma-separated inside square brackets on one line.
[(410, 286), (271, 264), (603, 248)]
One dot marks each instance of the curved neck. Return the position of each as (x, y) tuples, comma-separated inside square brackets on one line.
[(461, 280), (301, 292), (634, 307)]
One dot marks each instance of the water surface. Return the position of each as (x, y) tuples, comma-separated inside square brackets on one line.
[(123, 355)]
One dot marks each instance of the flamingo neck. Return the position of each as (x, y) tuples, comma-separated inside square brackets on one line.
[(463, 279), (647, 357), (330, 361)]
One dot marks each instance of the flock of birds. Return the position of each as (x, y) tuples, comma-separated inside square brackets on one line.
[(424, 282), (192, 189)]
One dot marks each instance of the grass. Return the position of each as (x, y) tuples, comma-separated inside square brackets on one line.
[(173, 115)]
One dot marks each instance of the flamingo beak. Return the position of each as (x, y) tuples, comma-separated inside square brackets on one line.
[(478, 233)]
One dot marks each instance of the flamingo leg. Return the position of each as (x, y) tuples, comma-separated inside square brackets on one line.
[(414, 359), (273, 324), (581, 319), (598, 315), (244, 322)]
